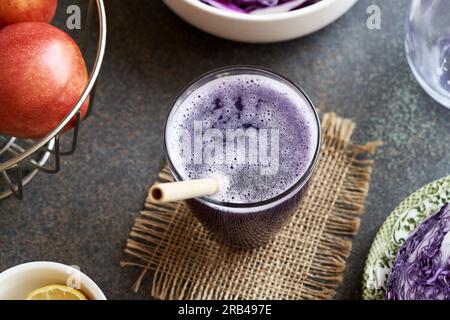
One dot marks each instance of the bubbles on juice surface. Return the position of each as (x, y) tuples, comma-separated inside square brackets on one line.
[(257, 133)]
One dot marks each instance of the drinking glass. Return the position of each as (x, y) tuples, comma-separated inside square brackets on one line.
[(245, 225), (428, 46)]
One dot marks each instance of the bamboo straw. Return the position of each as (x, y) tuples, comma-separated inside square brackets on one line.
[(183, 190)]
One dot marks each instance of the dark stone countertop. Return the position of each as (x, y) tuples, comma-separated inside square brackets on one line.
[(82, 215)]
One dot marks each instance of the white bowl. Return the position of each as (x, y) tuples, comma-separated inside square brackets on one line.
[(16, 283), (259, 28)]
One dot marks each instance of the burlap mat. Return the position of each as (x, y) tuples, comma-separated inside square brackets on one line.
[(305, 261)]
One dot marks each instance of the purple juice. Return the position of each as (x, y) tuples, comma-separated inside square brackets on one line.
[(260, 134)]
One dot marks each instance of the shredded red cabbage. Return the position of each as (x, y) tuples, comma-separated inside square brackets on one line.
[(248, 6), (421, 270)]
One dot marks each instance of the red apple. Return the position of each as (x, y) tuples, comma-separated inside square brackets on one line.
[(42, 76), (13, 11)]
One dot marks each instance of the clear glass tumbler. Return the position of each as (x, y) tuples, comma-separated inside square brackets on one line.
[(253, 223), (428, 46)]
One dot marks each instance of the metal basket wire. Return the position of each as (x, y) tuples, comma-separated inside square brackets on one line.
[(21, 160)]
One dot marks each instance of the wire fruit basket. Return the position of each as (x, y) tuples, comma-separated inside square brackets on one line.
[(20, 159)]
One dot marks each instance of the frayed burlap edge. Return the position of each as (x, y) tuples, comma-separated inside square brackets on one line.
[(325, 270)]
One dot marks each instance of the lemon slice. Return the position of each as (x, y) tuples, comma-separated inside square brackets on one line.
[(56, 292)]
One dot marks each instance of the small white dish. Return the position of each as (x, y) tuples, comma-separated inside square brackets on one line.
[(16, 283), (263, 28)]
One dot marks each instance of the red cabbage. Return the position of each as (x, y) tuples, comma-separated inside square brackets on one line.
[(421, 270), (249, 6)]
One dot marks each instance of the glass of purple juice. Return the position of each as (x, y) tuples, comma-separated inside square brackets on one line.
[(256, 131)]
